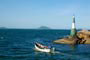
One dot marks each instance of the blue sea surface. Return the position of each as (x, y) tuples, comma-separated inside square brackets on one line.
[(18, 44)]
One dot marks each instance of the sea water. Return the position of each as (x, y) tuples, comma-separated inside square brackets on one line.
[(18, 44)]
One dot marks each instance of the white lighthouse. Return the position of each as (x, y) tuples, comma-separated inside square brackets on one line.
[(73, 30)]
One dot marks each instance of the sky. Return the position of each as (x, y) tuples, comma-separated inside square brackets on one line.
[(56, 14)]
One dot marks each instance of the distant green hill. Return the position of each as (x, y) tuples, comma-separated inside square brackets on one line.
[(44, 27)]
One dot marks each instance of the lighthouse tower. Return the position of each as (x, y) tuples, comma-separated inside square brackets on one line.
[(73, 30)]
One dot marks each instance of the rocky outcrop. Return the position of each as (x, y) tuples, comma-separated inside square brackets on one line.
[(85, 34)]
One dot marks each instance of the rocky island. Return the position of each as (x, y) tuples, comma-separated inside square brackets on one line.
[(69, 40)]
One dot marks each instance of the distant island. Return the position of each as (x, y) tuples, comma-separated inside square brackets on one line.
[(3, 28), (43, 27)]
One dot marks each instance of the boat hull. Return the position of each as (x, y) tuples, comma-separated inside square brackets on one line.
[(42, 50)]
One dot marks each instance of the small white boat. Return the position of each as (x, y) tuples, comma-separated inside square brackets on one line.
[(41, 48)]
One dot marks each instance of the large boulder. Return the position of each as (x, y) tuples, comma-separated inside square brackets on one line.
[(85, 34)]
